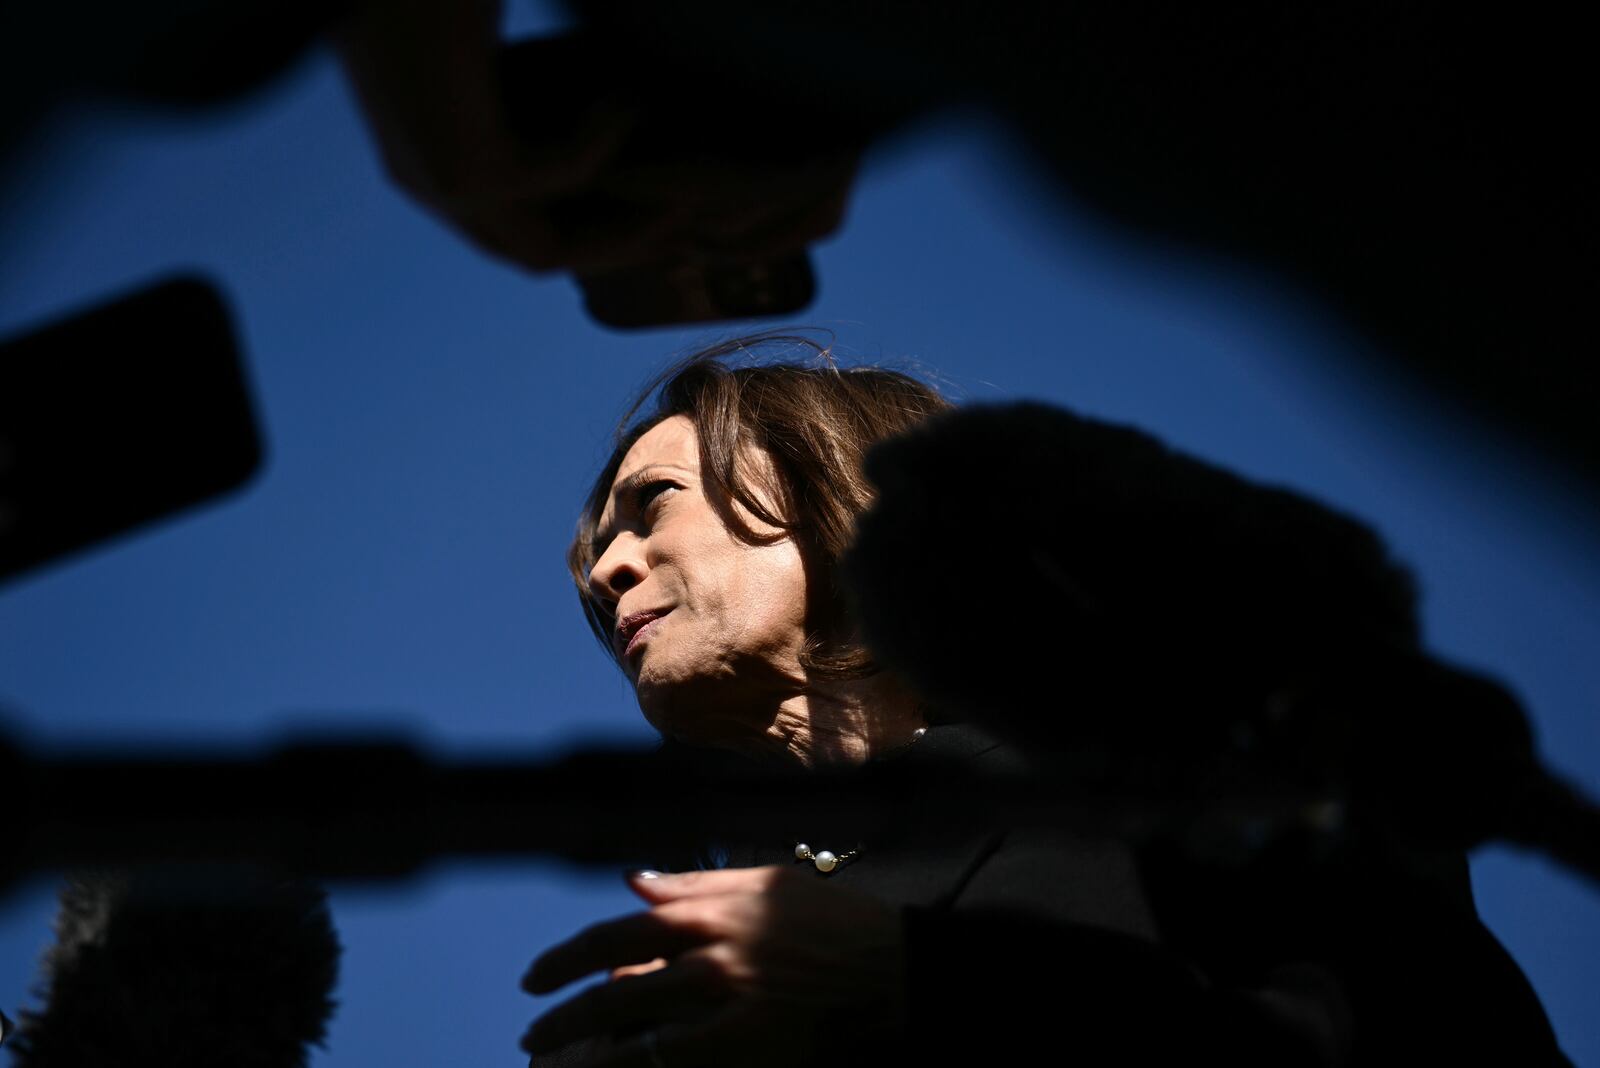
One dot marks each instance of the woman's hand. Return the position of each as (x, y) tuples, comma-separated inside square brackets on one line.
[(761, 963)]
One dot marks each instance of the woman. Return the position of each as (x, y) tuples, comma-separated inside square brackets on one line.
[(708, 554), (707, 560)]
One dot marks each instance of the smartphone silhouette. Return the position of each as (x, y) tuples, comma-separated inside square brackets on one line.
[(117, 416)]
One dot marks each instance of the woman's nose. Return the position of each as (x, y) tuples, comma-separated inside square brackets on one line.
[(620, 568)]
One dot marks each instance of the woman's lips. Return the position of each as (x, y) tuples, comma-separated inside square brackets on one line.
[(634, 629), (639, 637)]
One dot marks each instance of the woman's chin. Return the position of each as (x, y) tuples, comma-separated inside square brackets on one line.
[(672, 707), (657, 702)]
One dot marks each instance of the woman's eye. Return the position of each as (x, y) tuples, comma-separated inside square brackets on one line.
[(651, 492)]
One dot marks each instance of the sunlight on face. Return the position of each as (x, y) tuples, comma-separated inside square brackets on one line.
[(708, 626)]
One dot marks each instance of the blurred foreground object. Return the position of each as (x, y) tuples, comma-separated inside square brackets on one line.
[(702, 197), (1177, 632), (183, 967), (1419, 169), (381, 810), (671, 199), (118, 416)]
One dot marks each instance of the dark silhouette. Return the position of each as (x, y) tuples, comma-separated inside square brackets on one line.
[(1185, 634), (1419, 169), (183, 967), (1225, 677), (118, 416), (1248, 663), (1298, 774)]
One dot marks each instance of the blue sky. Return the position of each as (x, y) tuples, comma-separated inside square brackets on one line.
[(433, 418)]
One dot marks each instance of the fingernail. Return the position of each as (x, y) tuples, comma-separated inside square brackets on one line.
[(643, 873)]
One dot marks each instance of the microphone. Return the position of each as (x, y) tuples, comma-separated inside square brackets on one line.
[(1019, 557), (1175, 633), (183, 966)]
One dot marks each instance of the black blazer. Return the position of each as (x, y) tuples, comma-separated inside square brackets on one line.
[(1048, 874), (1022, 941)]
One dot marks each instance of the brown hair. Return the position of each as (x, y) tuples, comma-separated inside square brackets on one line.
[(815, 420)]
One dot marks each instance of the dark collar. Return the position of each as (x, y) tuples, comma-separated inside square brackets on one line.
[(926, 865)]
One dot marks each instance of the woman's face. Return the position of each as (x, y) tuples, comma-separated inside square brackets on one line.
[(708, 627)]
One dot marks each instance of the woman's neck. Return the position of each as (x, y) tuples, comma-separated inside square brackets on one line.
[(845, 723)]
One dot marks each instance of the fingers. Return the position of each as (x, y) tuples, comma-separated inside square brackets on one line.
[(671, 928), (659, 888), (638, 969), (685, 989), (629, 940), (759, 958)]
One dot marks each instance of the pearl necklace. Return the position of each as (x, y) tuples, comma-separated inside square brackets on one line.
[(827, 860), (824, 860)]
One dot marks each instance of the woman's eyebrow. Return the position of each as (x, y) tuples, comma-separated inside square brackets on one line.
[(628, 488), (622, 493)]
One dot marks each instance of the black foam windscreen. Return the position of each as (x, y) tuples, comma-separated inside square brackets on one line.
[(184, 966)]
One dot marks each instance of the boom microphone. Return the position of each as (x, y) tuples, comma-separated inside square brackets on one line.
[(183, 967)]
